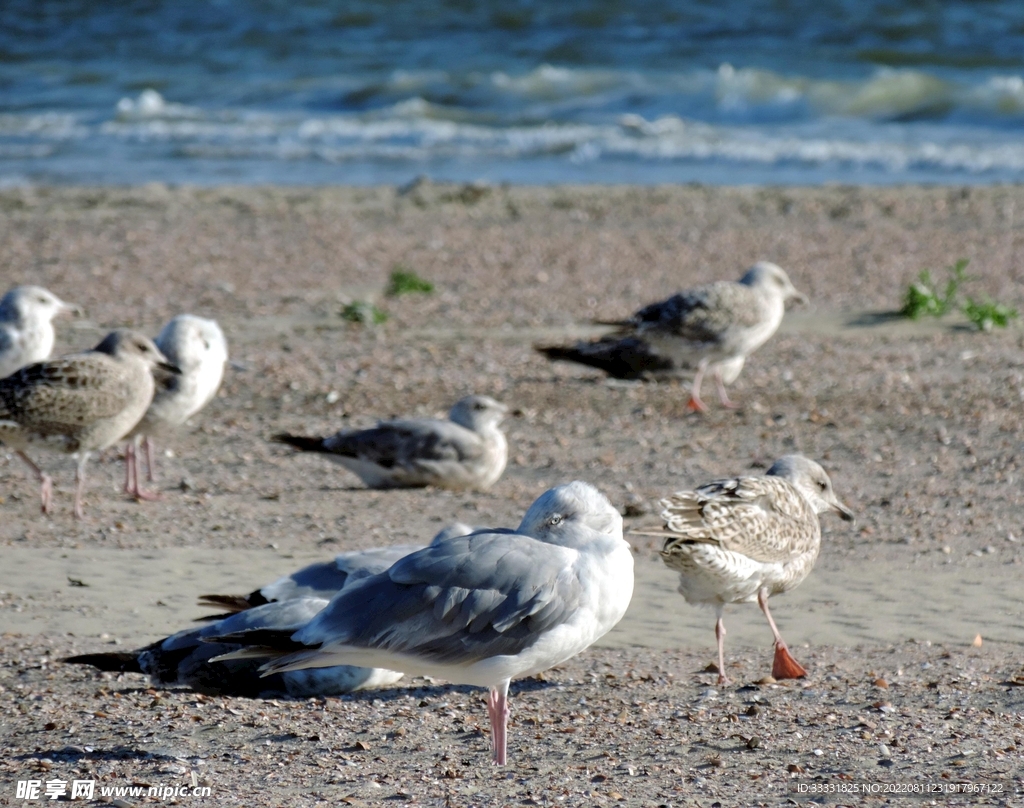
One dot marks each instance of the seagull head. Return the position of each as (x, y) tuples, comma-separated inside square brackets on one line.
[(812, 481), (477, 412), (193, 343), (566, 513), (24, 304), (766, 275), (123, 343)]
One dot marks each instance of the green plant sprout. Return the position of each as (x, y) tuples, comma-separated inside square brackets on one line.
[(987, 314), (404, 281), (359, 311), (923, 298)]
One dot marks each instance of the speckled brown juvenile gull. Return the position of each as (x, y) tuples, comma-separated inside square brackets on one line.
[(197, 347), (26, 326), (468, 451), (712, 327), (80, 403), (747, 538)]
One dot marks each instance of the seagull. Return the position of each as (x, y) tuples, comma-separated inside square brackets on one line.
[(713, 327), (26, 326), (198, 348), (185, 659), (80, 403), (287, 603), (747, 538), (481, 609), (466, 451), (326, 578)]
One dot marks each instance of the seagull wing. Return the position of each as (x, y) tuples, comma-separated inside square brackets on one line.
[(456, 602), (408, 443), (50, 397), (763, 518), (704, 314)]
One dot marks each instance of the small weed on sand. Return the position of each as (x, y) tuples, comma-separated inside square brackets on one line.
[(987, 314), (923, 298), (404, 281), (359, 311)]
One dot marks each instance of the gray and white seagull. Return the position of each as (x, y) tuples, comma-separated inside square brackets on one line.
[(468, 451), (26, 326), (481, 609), (710, 328)]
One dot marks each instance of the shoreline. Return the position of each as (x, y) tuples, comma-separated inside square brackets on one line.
[(919, 425)]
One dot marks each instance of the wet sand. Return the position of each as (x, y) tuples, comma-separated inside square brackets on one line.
[(919, 425)]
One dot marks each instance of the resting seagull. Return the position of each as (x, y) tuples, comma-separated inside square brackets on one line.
[(26, 326), (468, 451), (747, 538), (80, 403), (326, 578), (284, 605), (198, 348), (481, 609), (713, 327)]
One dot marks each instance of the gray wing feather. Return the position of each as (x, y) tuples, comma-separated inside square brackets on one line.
[(702, 314), (462, 600), (406, 443), (325, 579)]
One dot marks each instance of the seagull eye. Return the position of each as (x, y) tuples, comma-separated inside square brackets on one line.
[(823, 485), (555, 520)]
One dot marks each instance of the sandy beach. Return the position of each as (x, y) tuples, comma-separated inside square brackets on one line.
[(919, 424)]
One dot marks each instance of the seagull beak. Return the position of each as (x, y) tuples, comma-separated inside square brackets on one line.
[(174, 369), (72, 308), (799, 297), (845, 513)]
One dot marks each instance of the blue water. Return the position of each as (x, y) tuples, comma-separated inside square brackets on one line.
[(733, 91)]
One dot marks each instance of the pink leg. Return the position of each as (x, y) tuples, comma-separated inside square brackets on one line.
[(695, 403), (45, 482), (497, 709), (129, 463), (720, 636), (150, 467), (80, 485), (783, 666), (132, 486), (722, 395)]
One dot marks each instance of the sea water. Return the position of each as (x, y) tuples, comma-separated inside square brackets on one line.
[(591, 91)]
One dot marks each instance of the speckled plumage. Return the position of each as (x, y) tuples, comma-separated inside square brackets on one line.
[(744, 539), (79, 403), (26, 326), (468, 451), (711, 327)]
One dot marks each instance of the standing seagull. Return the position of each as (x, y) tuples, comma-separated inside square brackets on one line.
[(481, 609), (197, 347), (466, 451), (711, 327), (26, 326), (745, 539), (80, 403)]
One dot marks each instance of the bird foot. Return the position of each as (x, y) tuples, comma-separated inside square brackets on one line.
[(696, 405), (142, 495), (784, 666), (724, 680)]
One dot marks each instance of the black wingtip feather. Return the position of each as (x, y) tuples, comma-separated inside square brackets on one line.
[(117, 661), (307, 444)]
